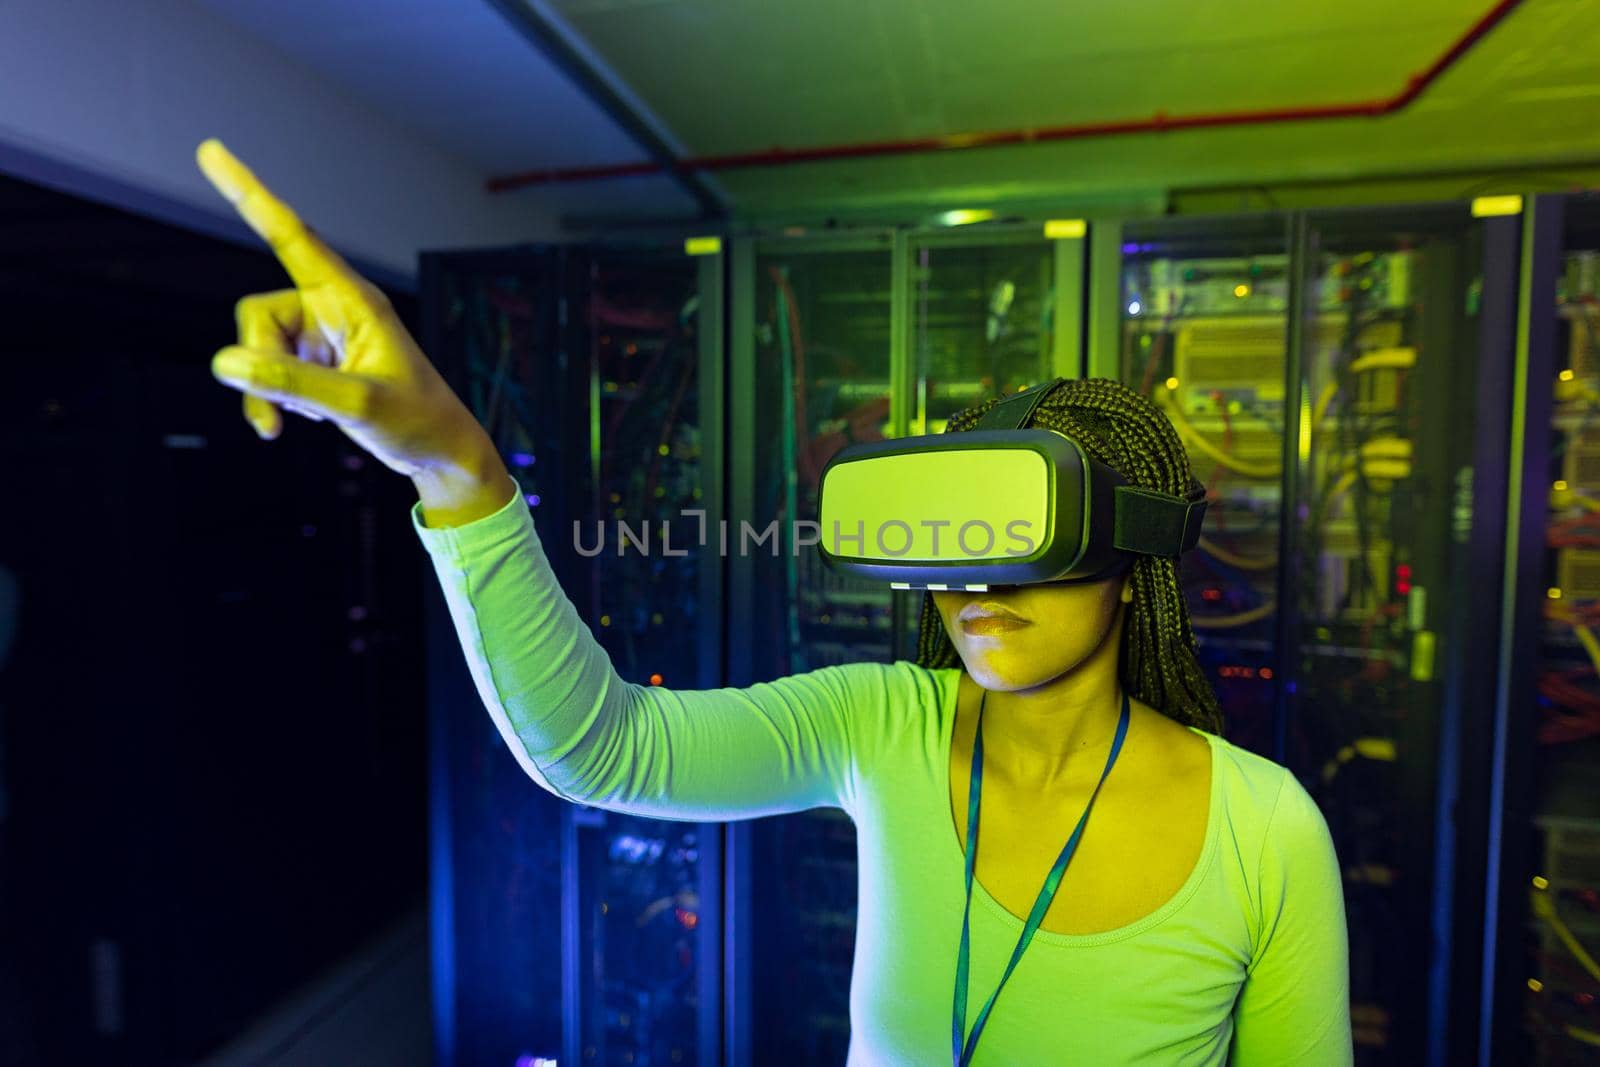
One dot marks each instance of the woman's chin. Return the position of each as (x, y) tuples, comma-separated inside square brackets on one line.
[(1003, 671)]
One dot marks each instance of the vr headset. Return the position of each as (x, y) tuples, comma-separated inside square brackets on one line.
[(996, 505)]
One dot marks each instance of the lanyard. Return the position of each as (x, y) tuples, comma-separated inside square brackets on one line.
[(963, 1056)]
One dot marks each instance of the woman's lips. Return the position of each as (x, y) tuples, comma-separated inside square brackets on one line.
[(991, 625)]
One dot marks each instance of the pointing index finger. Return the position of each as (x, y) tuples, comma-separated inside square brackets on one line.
[(308, 261)]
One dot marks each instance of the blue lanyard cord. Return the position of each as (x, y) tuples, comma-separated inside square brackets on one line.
[(963, 1056)]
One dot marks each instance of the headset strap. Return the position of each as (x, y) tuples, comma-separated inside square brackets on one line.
[(1155, 524), (1147, 522), (1013, 412)]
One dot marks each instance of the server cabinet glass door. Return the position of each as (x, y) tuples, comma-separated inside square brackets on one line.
[(1549, 1013), (1389, 356), (1322, 370), (1205, 336), (576, 933), (984, 309), (822, 323), (647, 963), (860, 339), (992, 311), (495, 878)]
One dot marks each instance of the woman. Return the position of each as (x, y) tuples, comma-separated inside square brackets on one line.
[(1199, 916)]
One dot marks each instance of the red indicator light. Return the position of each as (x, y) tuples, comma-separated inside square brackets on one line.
[(1266, 672), (655, 679)]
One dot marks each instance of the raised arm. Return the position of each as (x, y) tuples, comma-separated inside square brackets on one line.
[(1295, 1004), (332, 349), (585, 734)]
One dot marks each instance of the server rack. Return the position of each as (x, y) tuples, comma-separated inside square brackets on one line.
[(837, 338), (1540, 980), (563, 932), (1328, 371), (814, 327)]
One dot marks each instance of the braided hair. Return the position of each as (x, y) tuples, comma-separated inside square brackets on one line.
[(1126, 431)]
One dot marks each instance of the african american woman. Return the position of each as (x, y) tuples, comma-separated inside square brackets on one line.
[(1144, 893)]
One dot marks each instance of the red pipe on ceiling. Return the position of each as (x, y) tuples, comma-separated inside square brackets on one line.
[(1159, 123)]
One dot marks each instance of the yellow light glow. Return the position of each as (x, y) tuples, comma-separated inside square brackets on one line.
[(965, 216), (605, 620), (1561, 486), (1486, 206), (1541, 882), (1303, 446), (1535, 985), (1172, 383), (1065, 228), (703, 246), (1241, 290), (1566, 375), (1553, 593), (665, 450)]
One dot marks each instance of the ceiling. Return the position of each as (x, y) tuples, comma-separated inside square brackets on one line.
[(737, 76), (459, 75)]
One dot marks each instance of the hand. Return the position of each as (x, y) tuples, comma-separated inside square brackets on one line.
[(332, 347)]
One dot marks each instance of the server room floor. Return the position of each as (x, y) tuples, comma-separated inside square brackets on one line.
[(371, 1008)]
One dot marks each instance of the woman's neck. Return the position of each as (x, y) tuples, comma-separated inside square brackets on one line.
[(1054, 734)]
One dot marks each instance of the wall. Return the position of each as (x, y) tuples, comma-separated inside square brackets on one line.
[(108, 100)]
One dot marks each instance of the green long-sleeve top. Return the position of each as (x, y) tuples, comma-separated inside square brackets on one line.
[(1247, 960)]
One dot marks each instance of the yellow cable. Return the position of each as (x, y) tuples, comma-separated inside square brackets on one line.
[(1590, 645), (1378, 748), (1588, 1037), (1345, 482), (1240, 466), (1385, 359), (1391, 470), (1320, 411), (1545, 909), (1389, 447), (1244, 563), (1373, 748), (1393, 448), (1228, 622), (1375, 469)]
